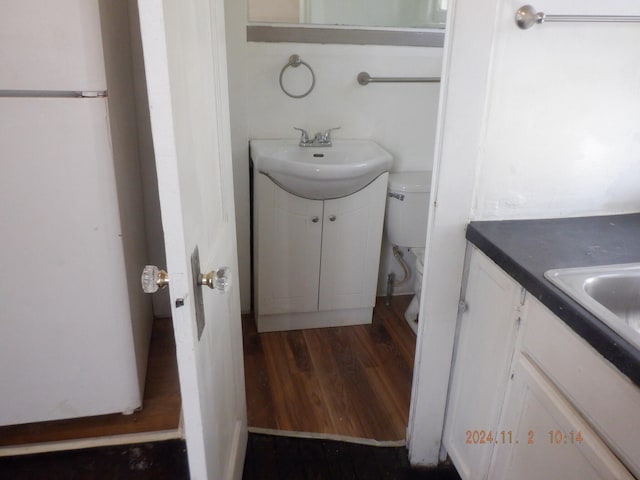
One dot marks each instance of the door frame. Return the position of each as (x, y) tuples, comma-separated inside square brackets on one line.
[(465, 86)]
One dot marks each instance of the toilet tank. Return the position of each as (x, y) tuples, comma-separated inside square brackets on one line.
[(407, 208)]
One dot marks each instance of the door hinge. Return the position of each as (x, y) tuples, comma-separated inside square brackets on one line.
[(523, 296)]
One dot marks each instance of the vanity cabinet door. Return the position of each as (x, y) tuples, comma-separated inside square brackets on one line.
[(482, 360), (545, 437), (287, 235), (351, 240)]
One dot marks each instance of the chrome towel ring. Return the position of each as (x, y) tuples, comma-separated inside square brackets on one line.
[(295, 61)]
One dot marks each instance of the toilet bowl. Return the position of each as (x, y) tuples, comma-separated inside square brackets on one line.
[(406, 225)]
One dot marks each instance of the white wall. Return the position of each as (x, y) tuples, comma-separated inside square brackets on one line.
[(114, 17), (235, 30), (537, 123), (152, 221), (563, 128), (401, 117)]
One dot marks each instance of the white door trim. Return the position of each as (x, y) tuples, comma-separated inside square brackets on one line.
[(467, 56)]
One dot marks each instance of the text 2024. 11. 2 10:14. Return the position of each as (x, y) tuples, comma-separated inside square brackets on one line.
[(506, 437)]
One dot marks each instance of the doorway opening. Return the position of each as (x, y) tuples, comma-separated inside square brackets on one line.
[(349, 383)]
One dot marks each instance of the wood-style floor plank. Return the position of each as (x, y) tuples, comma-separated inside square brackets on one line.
[(294, 392), (332, 375), (348, 381), (161, 404), (257, 385)]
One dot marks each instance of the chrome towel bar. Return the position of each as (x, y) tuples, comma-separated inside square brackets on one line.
[(364, 79), (527, 17)]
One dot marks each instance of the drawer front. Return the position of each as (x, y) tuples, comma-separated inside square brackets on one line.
[(607, 399)]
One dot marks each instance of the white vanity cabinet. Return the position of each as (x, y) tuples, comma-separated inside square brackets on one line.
[(315, 261), (287, 245), (529, 398)]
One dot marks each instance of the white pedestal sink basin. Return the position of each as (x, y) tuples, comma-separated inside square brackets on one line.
[(320, 173)]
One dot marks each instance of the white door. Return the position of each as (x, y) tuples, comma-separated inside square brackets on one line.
[(185, 64)]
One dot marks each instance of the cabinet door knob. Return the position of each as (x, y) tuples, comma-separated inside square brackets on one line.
[(332, 218), (315, 219)]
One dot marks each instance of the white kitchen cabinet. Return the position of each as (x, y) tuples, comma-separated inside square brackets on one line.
[(519, 373), (608, 400), (484, 349), (315, 261), (549, 438)]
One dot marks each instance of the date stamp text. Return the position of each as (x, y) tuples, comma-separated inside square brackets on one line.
[(509, 437)]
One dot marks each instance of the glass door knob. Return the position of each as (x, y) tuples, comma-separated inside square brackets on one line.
[(216, 279), (153, 279)]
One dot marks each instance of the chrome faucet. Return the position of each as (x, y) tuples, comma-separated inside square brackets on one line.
[(319, 140)]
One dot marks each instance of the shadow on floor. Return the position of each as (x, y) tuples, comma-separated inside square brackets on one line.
[(279, 458), (268, 458), (158, 461)]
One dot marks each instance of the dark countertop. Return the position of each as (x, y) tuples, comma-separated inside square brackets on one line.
[(525, 249)]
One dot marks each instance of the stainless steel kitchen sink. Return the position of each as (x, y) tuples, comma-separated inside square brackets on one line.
[(610, 292)]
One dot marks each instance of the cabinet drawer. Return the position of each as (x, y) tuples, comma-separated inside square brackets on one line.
[(608, 400)]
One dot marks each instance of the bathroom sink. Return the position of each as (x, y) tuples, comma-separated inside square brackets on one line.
[(610, 292), (320, 172)]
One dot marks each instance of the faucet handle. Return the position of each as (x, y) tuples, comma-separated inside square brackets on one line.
[(304, 137), (326, 135)]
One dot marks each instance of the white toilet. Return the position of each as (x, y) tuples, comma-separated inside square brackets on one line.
[(406, 224)]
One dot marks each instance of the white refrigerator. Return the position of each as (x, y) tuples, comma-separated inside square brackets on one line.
[(74, 331)]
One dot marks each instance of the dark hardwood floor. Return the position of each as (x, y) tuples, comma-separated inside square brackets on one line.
[(345, 381), (160, 412)]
